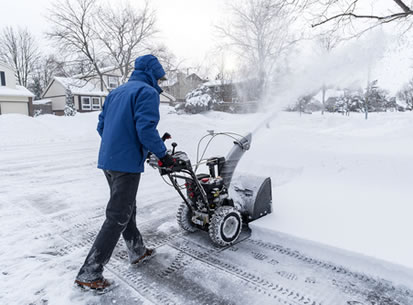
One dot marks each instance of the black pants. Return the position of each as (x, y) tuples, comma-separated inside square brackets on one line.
[(120, 219)]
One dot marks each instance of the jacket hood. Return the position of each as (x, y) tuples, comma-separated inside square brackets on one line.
[(148, 69)]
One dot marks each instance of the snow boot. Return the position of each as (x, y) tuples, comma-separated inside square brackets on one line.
[(149, 253), (98, 285)]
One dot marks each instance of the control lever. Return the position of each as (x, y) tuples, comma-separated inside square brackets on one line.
[(174, 145), (166, 136)]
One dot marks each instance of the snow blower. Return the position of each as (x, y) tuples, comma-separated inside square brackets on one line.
[(216, 202)]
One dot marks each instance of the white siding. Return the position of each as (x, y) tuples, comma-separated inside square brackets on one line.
[(10, 78), (76, 97), (58, 103), (56, 93)]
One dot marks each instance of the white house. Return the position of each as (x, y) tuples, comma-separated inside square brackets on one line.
[(88, 91), (87, 95), (13, 98)]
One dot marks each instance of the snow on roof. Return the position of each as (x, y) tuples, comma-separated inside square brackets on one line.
[(80, 86), (19, 91), (220, 82), (42, 102), (168, 96)]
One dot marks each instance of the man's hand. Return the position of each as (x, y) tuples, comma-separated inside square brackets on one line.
[(166, 161)]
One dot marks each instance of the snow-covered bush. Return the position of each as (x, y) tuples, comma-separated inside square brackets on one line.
[(37, 112), (70, 108), (199, 100), (344, 101)]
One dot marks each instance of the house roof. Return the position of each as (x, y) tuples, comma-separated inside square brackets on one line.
[(219, 82), (171, 80), (194, 75), (79, 86), (174, 78), (167, 96), (19, 91)]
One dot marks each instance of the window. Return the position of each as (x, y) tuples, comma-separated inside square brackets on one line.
[(113, 82), (95, 103), (2, 78), (86, 105), (91, 103)]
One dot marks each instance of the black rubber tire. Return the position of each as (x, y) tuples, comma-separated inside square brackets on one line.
[(184, 218), (228, 219)]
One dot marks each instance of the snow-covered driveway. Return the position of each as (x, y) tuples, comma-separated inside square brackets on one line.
[(52, 201)]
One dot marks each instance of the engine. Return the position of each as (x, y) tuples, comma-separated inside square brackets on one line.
[(214, 188)]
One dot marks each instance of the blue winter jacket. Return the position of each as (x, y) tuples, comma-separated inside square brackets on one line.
[(128, 121)]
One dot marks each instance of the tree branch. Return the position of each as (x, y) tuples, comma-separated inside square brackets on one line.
[(383, 19)]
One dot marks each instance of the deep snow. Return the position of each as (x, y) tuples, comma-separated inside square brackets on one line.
[(340, 181)]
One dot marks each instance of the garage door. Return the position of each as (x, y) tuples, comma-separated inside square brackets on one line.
[(14, 107)]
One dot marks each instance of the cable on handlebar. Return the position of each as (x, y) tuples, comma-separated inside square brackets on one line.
[(213, 135)]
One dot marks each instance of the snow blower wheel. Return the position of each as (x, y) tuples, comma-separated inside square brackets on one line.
[(184, 218), (225, 226)]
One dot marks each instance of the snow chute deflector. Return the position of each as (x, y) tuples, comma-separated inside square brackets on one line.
[(252, 194)]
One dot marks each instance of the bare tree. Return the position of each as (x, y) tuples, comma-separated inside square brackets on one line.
[(74, 28), (102, 35), (124, 32), (259, 33), (18, 48), (327, 41), (169, 61), (342, 12), (45, 68)]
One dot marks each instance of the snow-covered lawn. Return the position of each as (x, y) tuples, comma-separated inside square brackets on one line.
[(340, 181)]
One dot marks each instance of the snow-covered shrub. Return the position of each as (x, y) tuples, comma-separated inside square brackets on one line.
[(199, 100), (70, 108), (37, 112)]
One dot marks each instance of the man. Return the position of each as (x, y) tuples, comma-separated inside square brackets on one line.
[(127, 126)]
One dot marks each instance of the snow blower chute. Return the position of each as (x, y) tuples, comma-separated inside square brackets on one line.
[(217, 202)]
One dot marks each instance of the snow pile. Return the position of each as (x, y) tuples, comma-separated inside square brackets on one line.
[(16, 129)]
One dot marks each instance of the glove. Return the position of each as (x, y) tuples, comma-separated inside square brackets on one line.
[(166, 161)]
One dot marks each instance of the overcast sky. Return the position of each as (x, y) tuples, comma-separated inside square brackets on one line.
[(186, 26), (187, 29)]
